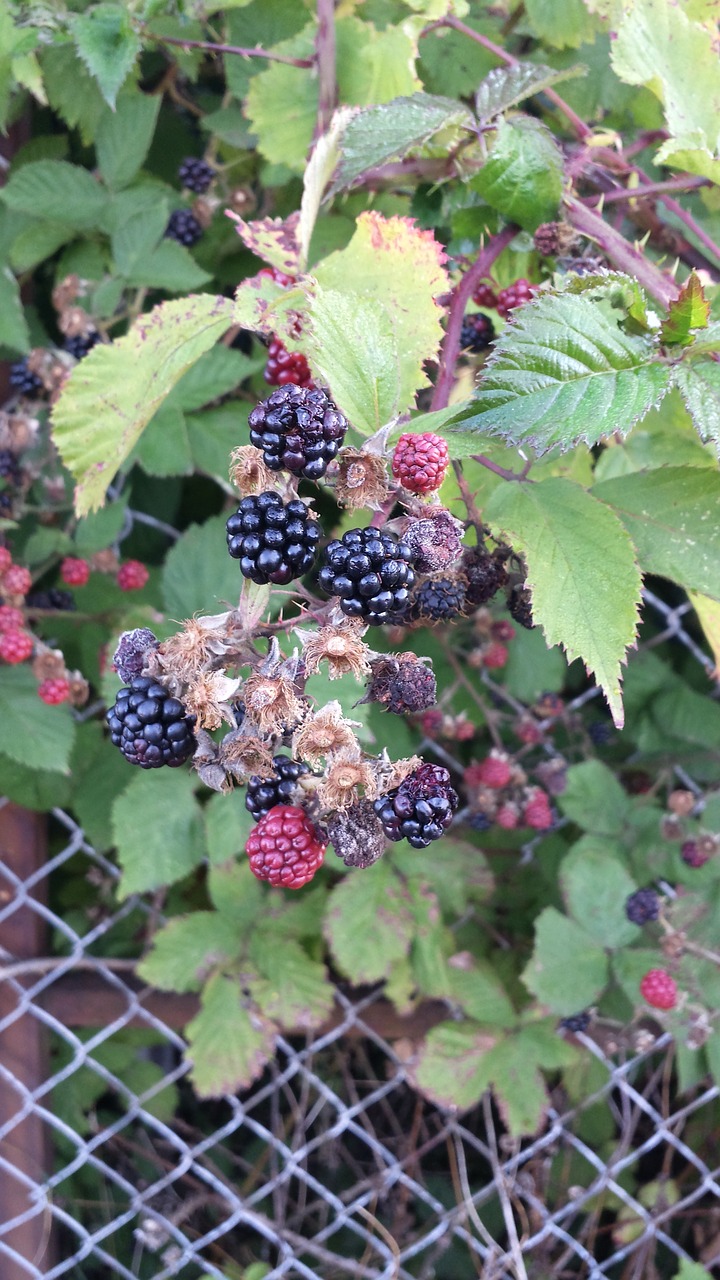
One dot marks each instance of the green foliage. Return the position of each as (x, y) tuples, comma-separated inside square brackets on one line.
[(227, 1043), (32, 733), (157, 826), (368, 923), (377, 134), (523, 175)]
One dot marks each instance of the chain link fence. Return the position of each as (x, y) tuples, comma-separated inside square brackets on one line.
[(331, 1165)]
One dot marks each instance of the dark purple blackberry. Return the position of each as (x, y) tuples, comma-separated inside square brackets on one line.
[(53, 598), (196, 174), (151, 728), (420, 809), (576, 1021), (371, 573), (477, 332), (642, 906), (600, 732), (183, 227), (130, 656), (299, 430), (24, 380), (438, 600), (274, 541), (479, 821), (264, 793), (485, 573), (520, 607), (81, 344), (10, 469)]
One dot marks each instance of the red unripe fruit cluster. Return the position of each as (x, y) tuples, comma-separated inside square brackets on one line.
[(659, 989), (485, 296), (495, 656), (285, 848), (284, 367), (420, 462), (515, 295), (495, 771), (15, 581), (132, 576), (16, 646), (536, 811), (74, 572), (54, 691), (11, 619)]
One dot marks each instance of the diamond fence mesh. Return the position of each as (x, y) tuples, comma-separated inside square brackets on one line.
[(331, 1165)]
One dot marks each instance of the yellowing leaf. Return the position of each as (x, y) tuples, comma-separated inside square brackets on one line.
[(708, 612), (272, 239)]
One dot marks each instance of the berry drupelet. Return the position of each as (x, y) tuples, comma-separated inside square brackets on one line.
[(286, 368), (371, 573), (477, 332), (299, 430), (421, 809), (285, 848), (274, 541), (196, 174), (151, 728), (24, 380), (438, 600), (515, 295), (184, 227), (263, 794)]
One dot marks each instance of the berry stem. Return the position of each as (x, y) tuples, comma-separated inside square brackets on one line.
[(325, 62), (229, 48), (655, 188), (503, 472), (589, 223)]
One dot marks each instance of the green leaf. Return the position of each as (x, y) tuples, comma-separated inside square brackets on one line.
[(14, 332), (368, 923), (692, 1271), (325, 155), (532, 668), (112, 394), (71, 90), (99, 774), (215, 374), (31, 733), (107, 43), (158, 830), (163, 448), (699, 386), (188, 948), (512, 1068), (33, 788), (689, 311), (199, 576), (503, 87), (594, 799), (213, 434), (562, 23), (568, 970), (138, 234), (293, 990), (451, 1066), (227, 826), (480, 994), (124, 137), (170, 266), (582, 574), (37, 241), (228, 1044), (379, 133), (281, 105), (523, 175), (60, 192), (671, 516), (595, 887), (99, 530), (565, 372), (354, 341)]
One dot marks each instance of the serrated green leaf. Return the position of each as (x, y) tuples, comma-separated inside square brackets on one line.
[(523, 175), (199, 576), (215, 374), (503, 87), (293, 990), (594, 799), (582, 574), (480, 994), (565, 372), (451, 1064), (369, 924), (281, 105), (213, 435), (562, 23), (99, 530), (14, 332), (33, 788), (158, 829), (111, 395), (107, 43), (513, 1072), (99, 774), (138, 235), (354, 341), (169, 266), (124, 137), (60, 192), (689, 311), (188, 948), (390, 131), (671, 516), (532, 667), (699, 386), (37, 241), (568, 970), (228, 1044), (71, 90), (595, 887), (32, 733), (227, 826)]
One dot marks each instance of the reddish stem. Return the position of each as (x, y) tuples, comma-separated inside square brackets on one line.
[(230, 48), (325, 60), (654, 189), (589, 223)]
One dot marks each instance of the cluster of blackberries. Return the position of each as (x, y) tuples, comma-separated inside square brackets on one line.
[(421, 809), (79, 345), (371, 573), (264, 793), (151, 728), (274, 541), (477, 332), (184, 227), (299, 430), (196, 174), (24, 380)]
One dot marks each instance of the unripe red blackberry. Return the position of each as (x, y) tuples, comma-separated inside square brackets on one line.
[(421, 809), (371, 573), (356, 835), (420, 461), (496, 655), (274, 541), (74, 572), (495, 771), (196, 174), (299, 430), (438, 600), (477, 333), (287, 368), (285, 848), (16, 581), (537, 812), (54, 691), (485, 573), (132, 576), (263, 794), (659, 989), (151, 728), (15, 647), (184, 227), (508, 816), (642, 906), (515, 295), (485, 296), (695, 853), (11, 619)]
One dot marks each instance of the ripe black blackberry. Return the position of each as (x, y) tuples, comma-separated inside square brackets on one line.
[(477, 332), (438, 600), (299, 430), (642, 907), (151, 728), (196, 174), (183, 227), (52, 598), (81, 344), (421, 809), (274, 541), (24, 380), (576, 1021), (371, 573), (10, 469), (485, 574), (264, 793)]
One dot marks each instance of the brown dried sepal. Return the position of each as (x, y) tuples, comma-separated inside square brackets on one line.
[(389, 774), (66, 291), (79, 689), (245, 755), (324, 733), (17, 431), (248, 472), (207, 698), (272, 704), (49, 664), (361, 479), (341, 647), (75, 322), (346, 774), (186, 653), (105, 561)]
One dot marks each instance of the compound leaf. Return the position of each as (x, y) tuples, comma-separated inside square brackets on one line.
[(31, 733), (380, 133), (595, 887), (188, 948), (293, 989), (699, 386), (57, 191), (108, 45), (228, 1044)]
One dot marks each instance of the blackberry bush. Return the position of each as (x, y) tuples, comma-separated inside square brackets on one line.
[(371, 574), (149, 727), (274, 541), (299, 430)]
